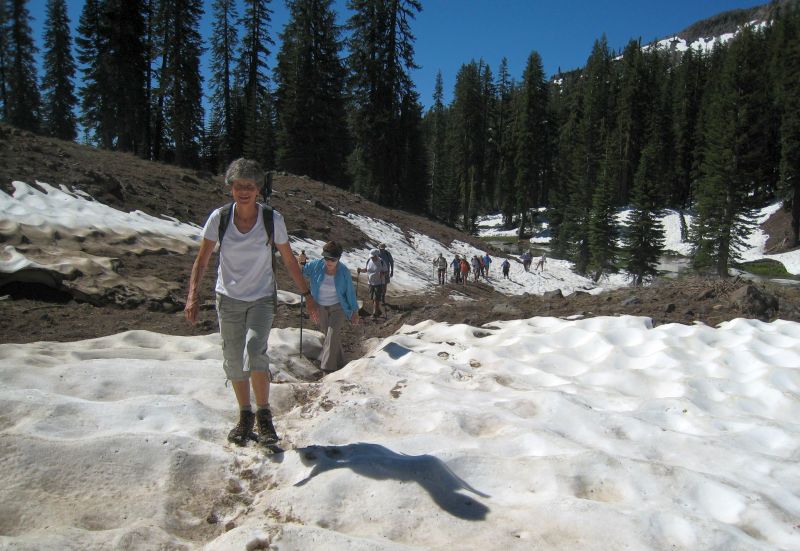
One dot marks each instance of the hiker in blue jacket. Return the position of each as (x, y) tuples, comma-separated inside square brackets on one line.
[(332, 289)]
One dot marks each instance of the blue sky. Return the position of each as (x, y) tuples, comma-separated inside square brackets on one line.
[(450, 33)]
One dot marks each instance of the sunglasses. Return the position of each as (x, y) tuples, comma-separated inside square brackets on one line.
[(331, 258)]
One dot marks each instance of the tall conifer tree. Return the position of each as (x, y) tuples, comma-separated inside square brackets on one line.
[(725, 187), (585, 171), (643, 237), (255, 102), (112, 53), (310, 94), (439, 196), (23, 101), (788, 54), (180, 82), (468, 141), (531, 148), (505, 139), (59, 70), (4, 60), (381, 55), (224, 44)]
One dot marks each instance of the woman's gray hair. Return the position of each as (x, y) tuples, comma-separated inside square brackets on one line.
[(244, 169)]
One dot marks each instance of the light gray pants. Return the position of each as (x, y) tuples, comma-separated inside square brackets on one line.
[(244, 327), (331, 321)]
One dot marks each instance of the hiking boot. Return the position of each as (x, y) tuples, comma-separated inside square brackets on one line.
[(266, 430), (241, 432)]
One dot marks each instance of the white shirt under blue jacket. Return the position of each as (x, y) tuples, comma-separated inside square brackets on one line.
[(315, 272)]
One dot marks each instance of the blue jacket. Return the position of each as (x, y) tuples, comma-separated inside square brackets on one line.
[(315, 271)]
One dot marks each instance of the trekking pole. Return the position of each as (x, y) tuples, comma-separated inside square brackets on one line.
[(302, 301)]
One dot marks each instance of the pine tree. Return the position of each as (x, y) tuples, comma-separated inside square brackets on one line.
[(689, 85), (565, 216), (224, 43), (180, 81), (505, 137), (413, 160), (59, 70), (310, 94), (381, 54), (439, 192), (602, 232), (23, 101), (643, 237), (112, 53), (468, 141), (788, 83), (491, 154), (725, 188), (531, 148), (125, 28), (633, 105), (255, 102), (92, 45), (586, 158), (4, 61)]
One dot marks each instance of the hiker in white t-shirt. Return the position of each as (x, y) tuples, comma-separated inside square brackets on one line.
[(246, 292)]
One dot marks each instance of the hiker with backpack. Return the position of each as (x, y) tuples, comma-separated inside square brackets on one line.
[(332, 289), (464, 267), (456, 265), (441, 267), (376, 275), (526, 261), (487, 262), (476, 267), (388, 261), (506, 265), (246, 292)]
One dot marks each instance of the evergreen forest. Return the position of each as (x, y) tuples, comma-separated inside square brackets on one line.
[(715, 134)]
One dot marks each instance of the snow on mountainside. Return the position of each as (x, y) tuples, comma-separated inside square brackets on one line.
[(705, 35)]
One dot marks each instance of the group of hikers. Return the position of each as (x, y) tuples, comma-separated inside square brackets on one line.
[(246, 291), (461, 268)]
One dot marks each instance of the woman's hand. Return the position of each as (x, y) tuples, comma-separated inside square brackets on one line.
[(354, 319), (191, 309), (313, 311)]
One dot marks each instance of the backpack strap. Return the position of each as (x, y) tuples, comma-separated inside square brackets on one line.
[(269, 223)]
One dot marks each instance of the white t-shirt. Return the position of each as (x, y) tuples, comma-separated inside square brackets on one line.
[(327, 292), (245, 266)]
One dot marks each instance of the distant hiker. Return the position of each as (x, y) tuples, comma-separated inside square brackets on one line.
[(332, 289), (246, 292), (526, 261), (456, 265), (506, 265), (464, 267), (441, 267), (376, 271), (476, 267), (487, 262), (540, 264), (388, 261), (302, 259)]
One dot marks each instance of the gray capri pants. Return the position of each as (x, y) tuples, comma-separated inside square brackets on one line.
[(244, 327)]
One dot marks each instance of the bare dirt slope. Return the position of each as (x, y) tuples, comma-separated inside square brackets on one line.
[(34, 312)]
